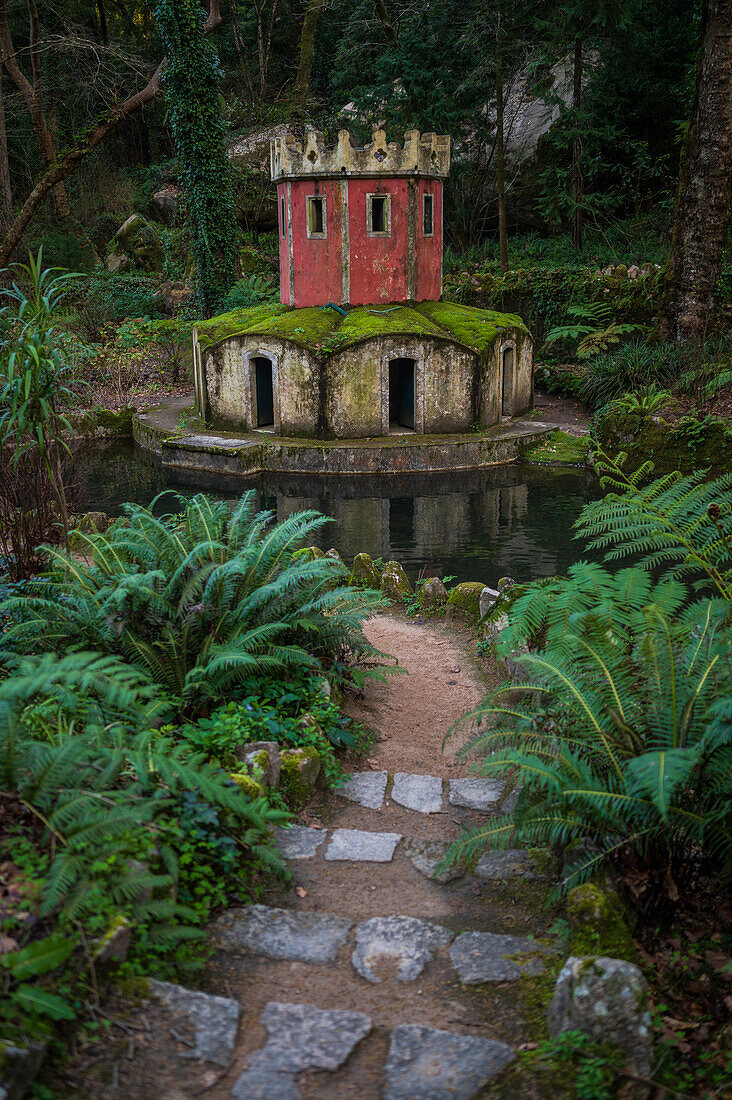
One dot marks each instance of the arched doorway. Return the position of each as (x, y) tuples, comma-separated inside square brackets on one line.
[(508, 357), (402, 389), (263, 392)]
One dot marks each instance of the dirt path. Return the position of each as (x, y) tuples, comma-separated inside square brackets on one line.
[(370, 977), (411, 712)]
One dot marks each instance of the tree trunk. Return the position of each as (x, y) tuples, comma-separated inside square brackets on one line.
[(501, 171), (577, 179), (71, 160), (702, 211), (386, 22), (6, 193), (104, 33), (301, 87), (33, 95)]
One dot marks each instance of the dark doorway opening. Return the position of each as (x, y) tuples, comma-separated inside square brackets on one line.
[(401, 393), (507, 383), (264, 391)]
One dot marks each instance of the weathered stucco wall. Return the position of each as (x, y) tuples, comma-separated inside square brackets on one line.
[(347, 396)]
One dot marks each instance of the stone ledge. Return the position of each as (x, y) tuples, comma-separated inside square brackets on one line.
[(217, 453)]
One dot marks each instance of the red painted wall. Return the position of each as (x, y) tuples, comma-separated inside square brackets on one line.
[(378, 267)]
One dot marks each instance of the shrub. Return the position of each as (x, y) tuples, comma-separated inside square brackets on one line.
[(623, 746), (635, 367), (201, 601)]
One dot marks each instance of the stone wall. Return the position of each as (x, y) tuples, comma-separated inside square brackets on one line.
[(347, 395)]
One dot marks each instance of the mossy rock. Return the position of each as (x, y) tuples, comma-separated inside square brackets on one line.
[(464, 599), (300, 772), (247, 785), (308, 553), (364, 573), (432, 593), (597, 924), (394, 582), (560, 449)]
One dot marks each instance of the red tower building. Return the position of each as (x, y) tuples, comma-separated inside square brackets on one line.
[(360, 226)]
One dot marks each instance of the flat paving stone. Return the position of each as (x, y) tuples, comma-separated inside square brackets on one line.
[(366, 789), (215, 1020), (354, 844), (486, 957), (300, 1037), (409, 942), (476, 794), (426, 855), (299, 841), (418, 792), (511, 863), (282, 933), (427, 1064)]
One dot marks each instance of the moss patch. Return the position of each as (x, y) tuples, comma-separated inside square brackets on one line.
[(465, 598), (476, 328), (300, 770), (597, 924), (560, 448), (326, 331)]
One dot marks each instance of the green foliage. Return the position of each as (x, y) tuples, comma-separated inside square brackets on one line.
[(635, 367), (251, 290), (592, 328), (592, 1064), (201, 601), (191, 80), (623, 746), (645, 403)]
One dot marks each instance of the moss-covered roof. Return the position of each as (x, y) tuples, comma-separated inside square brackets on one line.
[(325, 331)]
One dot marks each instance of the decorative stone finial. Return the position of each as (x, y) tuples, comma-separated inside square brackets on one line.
[(420, 155)]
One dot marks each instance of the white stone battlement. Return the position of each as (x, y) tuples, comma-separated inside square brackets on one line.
[(420, 155)]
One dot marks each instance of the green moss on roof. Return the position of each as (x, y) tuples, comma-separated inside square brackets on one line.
[(326, 331), (477, 328)]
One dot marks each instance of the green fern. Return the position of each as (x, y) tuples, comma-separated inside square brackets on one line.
[(198, 601)]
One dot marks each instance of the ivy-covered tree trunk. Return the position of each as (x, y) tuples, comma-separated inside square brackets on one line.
[(703, 201), (313, 12), (191, 82), (578, 183)]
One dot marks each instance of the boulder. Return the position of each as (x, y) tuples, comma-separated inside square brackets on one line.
[(262, 759), (608, 1000), (115, 943), (165, 202), (299, 774), (464, 599), (117, 263), (19, 1067), (140, 240), (394, 582), (365, 574), (489, 597), (633, 272), (433, 593)]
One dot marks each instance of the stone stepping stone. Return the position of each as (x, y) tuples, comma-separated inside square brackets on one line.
[(215, 1020), (299, 841), (301, 1037), (282, 933), (354, 844), (418, 792), (427, 1064), (409, 942), (510, 863), (366, 789), (476, 794), (485, 957), (425, 855)]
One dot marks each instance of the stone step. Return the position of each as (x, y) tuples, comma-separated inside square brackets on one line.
[(215, 1020), (300, 842), (406, 943), (427, 794), (422, 1063)]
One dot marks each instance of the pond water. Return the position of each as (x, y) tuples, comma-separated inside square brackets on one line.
[(472, 525)]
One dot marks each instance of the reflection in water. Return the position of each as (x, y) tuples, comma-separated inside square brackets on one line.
[(474, 525)]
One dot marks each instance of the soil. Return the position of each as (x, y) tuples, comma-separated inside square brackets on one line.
[(567, 413)]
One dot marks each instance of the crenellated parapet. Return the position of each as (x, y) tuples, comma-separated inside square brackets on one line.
[(420, 155)]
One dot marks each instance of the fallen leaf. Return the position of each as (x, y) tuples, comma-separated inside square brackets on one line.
[(301, 891)]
